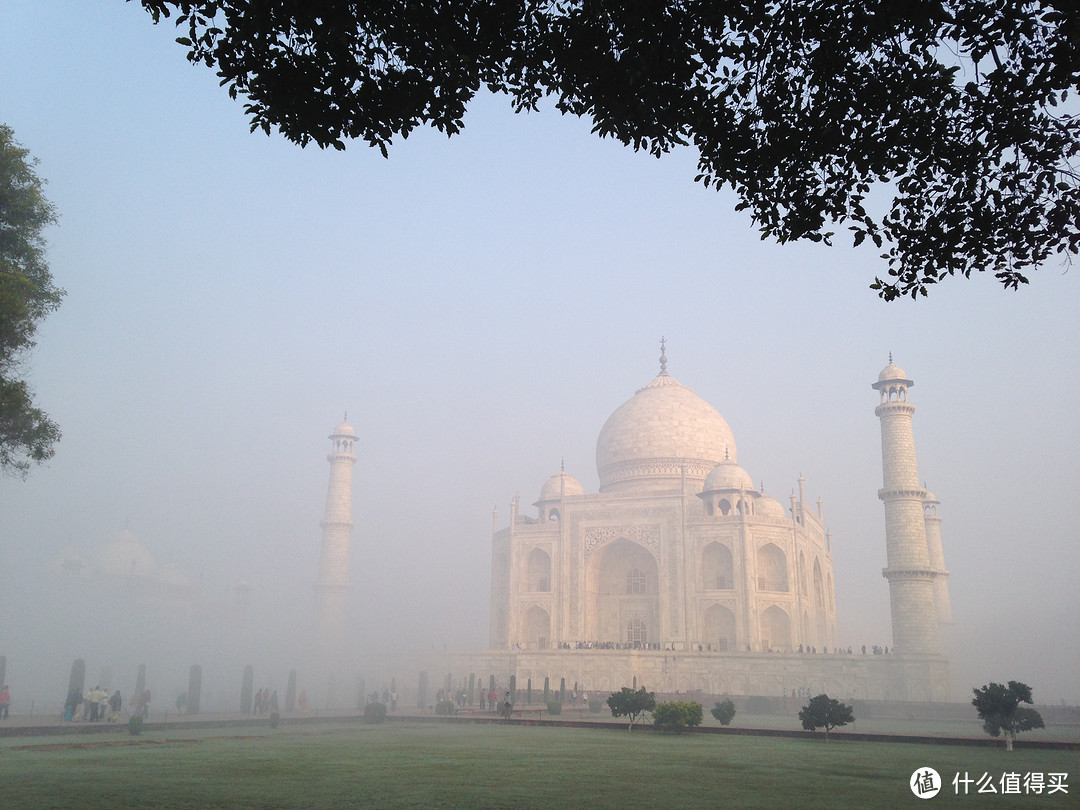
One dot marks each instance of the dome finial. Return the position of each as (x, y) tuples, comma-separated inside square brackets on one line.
[(562, 464), (663, 357), (890, 357)]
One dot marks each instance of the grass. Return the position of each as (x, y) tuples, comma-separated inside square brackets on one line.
[(433, 765)]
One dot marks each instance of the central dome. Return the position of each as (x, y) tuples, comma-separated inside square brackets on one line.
[(656, 434)]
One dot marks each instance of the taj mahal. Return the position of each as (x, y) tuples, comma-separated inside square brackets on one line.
[(680, 573)]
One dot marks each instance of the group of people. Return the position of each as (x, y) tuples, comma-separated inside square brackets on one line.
[(266, 701), (96, 705)]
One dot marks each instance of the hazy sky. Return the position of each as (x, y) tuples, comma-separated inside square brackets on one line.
[(480, 305)]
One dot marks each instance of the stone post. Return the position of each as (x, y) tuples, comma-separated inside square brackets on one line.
[(77, 680), (194, 689), (140, 685), (290, 692), (247, 687)]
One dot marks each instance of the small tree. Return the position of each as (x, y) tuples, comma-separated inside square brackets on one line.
[(374, 712), (824, 712), (724, 711), (675, 716), (1000, 710), (633, 705)]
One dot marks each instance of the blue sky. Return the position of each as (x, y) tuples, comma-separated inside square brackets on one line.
[(480, 305)]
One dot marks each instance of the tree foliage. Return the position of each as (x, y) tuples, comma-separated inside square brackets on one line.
[(633, 705), (724, 711), (677, 715), (824, 712), (1000, 710), (815, 113), (27, 295)]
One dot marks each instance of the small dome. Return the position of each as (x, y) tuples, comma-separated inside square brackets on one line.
[(559, 485), (892, 372), (343, 429), (930, 497), (728, 475), (767, 506)]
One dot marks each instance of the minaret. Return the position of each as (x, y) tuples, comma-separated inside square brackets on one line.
[(909, 572), (932, 519), (332, 587)]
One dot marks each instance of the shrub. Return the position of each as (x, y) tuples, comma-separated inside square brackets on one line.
[(724, 711), (374, 712), (824, 712), (135, 724), (677, 715), (275, 718), (445, 707), (554, 707), (596, 705)]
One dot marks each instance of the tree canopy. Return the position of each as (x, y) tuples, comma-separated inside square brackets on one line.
[(631, 704), (815, 113), (824, 712), (1000, 710), (27, 295)]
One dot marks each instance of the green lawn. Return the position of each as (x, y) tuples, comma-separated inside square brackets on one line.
[(421, 765)]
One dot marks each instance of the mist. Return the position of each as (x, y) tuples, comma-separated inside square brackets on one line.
[(478, 306)]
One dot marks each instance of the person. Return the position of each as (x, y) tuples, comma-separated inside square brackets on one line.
[(115, 704), (302, 702), (146, 703), (483, 700), (273, 702), (5, 701)]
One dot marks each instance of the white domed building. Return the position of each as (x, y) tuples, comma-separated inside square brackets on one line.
[(679, 552)]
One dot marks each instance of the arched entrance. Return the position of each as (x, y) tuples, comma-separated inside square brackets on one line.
[(536, 626), (622, 595), (720, 628), (775, 630)]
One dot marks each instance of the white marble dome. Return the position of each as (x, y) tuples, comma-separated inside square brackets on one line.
[(561, 484), (728, 475), (656, 434), (767, 506), (892, 372), (343, 429), (125, 555)]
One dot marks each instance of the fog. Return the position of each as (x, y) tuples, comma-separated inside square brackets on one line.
[(479, 306)]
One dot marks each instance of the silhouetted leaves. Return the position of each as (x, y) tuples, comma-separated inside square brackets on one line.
[(814, 113)]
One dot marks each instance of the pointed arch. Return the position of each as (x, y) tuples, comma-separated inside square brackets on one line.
[(717, 567), (536, 628), (772, 571), (536, 574), (775, 629), (719, 624)]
